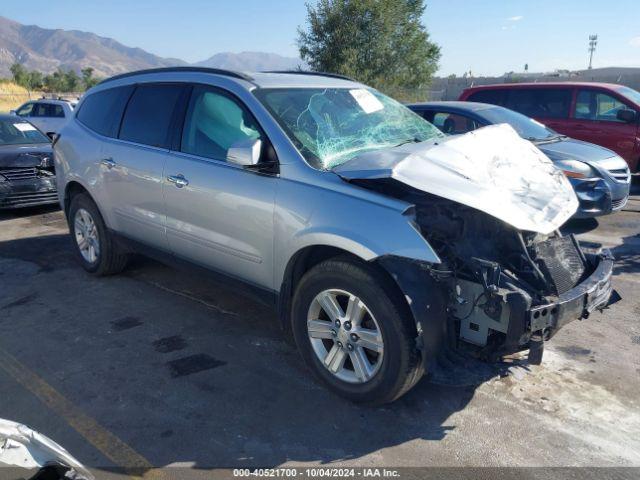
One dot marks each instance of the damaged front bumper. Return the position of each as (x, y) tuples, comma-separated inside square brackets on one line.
[(516, 324), (595, 293), (27, 192), (545, 320)]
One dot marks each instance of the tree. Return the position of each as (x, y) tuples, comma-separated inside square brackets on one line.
[(20, 74), (379, 42), (87, 78), (35, 80), (71, 81)]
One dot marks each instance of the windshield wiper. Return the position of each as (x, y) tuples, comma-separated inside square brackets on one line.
[(409, 140)]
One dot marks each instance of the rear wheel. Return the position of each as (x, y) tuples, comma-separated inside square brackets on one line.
[(95, 247), (354, 333)]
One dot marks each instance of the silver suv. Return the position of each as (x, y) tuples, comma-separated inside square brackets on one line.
[(384, 245)]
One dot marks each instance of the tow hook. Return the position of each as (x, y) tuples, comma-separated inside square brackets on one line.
[(536, 348)]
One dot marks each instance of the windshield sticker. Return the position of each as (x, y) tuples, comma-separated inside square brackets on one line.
[(367, 100), (24, 127)]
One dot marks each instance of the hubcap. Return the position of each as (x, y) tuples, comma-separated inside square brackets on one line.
[(86, 235), (345, 336)]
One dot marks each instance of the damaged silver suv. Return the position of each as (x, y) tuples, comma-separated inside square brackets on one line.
[(384, 244)]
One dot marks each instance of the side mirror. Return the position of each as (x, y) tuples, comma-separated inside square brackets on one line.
[(52, 135), (245, 152), (626, 115)]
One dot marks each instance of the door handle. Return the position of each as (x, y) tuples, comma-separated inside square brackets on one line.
[(178, 180), (108, 162)]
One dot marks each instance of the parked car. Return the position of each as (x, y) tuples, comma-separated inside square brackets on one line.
[(48, 115), (601, 113), (27, 174), (600, 177), (382, 242)]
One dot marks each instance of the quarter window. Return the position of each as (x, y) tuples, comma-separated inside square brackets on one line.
[(214, 122), (102, 111), (594, 105), (148, 116), (57, 111)]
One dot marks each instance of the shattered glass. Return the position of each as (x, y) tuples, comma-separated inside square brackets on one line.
[(332, 125)]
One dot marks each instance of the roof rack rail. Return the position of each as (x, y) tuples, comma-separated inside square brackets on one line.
[(217, 71), (307, 72)]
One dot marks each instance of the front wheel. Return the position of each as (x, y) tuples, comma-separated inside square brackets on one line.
[(354, 332)]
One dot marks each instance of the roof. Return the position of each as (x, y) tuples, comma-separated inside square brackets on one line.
[(545, 84), (54, 101), (257, 79), (306, 79), (468, 106)]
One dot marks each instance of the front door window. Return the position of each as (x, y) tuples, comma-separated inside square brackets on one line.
[(214, 122), (594, 105)]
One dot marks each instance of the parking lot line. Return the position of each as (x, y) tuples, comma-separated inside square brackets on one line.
[(106, 442)]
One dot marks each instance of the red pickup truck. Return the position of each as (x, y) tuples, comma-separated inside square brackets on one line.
[(602, 113)]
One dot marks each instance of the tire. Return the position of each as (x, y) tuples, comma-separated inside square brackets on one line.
[(396, 367), (107, 259)]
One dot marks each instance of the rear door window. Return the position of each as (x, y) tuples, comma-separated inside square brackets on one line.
[(41, 110), (595, 105), (494, 97), (453, 123), (102, 111), (149, 113), (540, 102)]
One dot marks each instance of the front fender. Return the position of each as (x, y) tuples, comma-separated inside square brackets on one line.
[(355, 225)]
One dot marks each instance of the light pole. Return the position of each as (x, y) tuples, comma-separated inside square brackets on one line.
[(593, 41)]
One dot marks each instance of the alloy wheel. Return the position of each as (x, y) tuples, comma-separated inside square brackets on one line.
[(345, 336), (86, 234)]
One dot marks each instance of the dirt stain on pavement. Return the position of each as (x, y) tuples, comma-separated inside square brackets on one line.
[(193, 364), (169, 344), (125, 323)]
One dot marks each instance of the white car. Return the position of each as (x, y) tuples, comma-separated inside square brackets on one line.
[(48, 115)]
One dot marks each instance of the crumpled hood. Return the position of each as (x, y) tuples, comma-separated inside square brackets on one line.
[(490, 169), (14, 156)]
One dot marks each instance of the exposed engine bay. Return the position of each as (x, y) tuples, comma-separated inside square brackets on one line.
[(505, 290), (484, 259)]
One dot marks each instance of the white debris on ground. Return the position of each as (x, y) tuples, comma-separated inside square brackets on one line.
[(557, 396)]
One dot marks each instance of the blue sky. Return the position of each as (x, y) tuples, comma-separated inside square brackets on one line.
[(486, 37)]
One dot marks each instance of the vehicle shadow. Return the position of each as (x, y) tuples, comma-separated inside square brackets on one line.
[(9, 214), (259, 407), (579, 225), (627, 255)]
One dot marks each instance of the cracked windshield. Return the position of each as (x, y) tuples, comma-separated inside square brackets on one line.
[(332, 125)]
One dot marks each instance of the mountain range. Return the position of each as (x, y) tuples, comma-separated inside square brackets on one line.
[(48, 49)]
